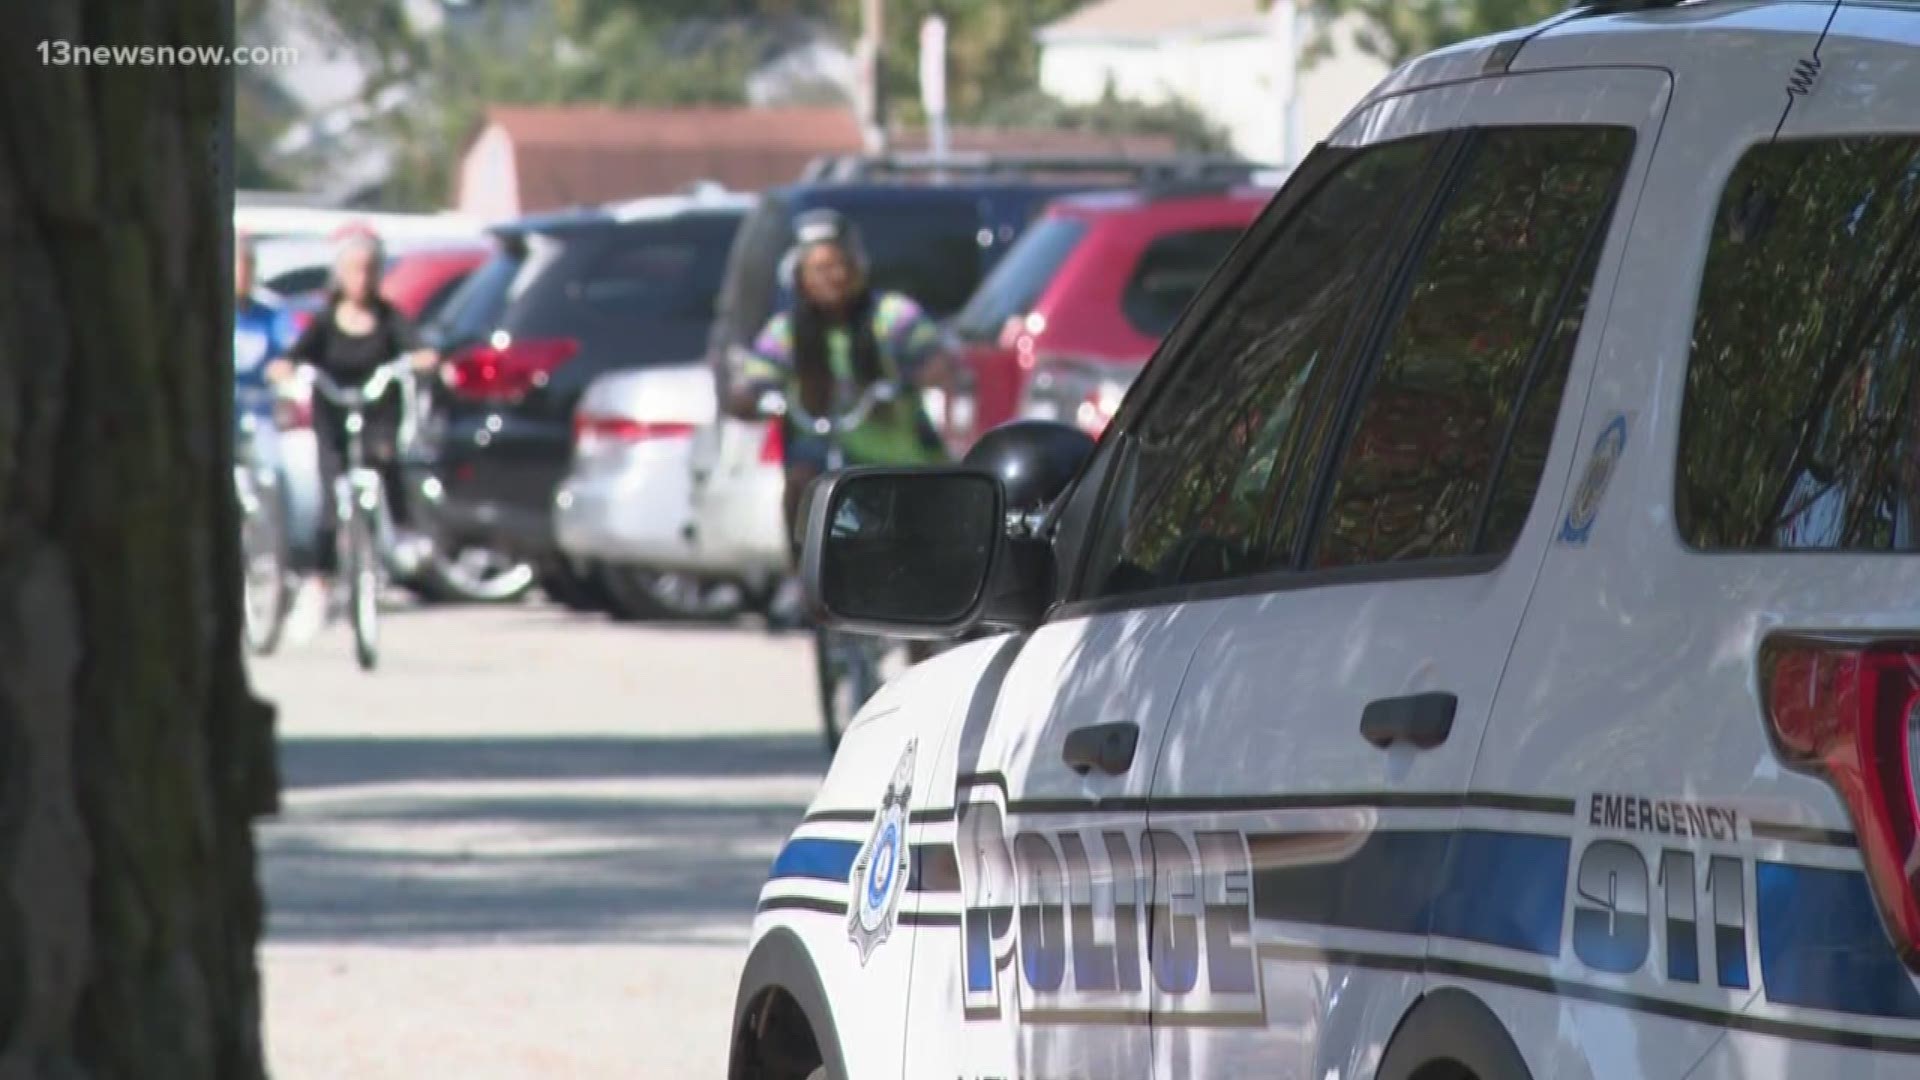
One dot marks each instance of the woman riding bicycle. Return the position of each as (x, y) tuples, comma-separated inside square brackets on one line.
[(355, 333), (841, 337)]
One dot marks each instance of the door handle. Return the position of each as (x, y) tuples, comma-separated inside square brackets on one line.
[(1423, 720), (1106, 747)]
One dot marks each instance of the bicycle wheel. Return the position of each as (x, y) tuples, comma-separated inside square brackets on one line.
[(363, 597), (266, 585)]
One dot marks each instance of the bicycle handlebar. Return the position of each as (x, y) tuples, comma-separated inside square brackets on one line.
[(369, 391), (775, 403), (355, 399)]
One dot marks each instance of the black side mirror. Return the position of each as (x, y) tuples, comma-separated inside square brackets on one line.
[(903, 552)]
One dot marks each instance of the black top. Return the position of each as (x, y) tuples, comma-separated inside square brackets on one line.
[(349, 359), (352, 357)]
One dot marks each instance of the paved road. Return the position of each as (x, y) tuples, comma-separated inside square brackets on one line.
[(529, 846)]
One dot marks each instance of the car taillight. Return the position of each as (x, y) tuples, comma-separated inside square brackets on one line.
[(504, 369), (1085, 394), (590, 430), (1096, 411), (773, 446), (1845, 711)]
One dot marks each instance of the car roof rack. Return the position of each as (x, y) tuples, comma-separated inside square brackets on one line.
[(1168, 169)]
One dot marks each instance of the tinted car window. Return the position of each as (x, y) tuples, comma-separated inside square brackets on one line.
[(304, 280), (1799, 427), (1020, 278), (476, 308), (1169, 275), (1239, 423), (1482, 340), (929, 252), (669, 269)]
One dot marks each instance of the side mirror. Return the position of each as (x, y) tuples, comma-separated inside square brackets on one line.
[(903, 552)]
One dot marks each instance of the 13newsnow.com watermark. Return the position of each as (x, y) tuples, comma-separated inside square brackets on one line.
[(67, 54)]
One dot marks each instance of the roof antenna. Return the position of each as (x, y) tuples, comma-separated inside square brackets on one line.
[(1806, 72)]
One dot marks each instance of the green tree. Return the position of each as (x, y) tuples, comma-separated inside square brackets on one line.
[(991, 51), (132, 753), (619, 58), (1035, 109), (1395, 30)]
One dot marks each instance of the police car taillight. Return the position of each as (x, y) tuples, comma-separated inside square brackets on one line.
[(1846, 712)]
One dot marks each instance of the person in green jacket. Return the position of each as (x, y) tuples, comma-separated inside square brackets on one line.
[(841, 337)]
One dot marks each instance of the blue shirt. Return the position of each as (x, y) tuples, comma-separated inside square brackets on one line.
[(259, 335)]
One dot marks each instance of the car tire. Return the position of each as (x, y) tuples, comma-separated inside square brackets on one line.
[(450, 578), (637, 595), (579, 591)]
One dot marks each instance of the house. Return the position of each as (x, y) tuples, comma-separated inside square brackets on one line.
[(1228, 59), (530, 158)]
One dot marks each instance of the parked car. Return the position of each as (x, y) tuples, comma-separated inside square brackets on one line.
[(624, 511), (565, 298), (931, 234), (1068, 318), (1484, 645)]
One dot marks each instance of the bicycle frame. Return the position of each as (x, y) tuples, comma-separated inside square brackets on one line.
[(360, 489)]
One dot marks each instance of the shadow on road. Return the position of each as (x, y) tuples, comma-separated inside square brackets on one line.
[(333, 761), (464, 840)]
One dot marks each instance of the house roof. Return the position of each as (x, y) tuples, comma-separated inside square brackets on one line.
[(1151, 18), (579, 155)]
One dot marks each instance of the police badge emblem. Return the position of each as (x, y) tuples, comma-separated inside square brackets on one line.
[(1607, 449), (881, 869)]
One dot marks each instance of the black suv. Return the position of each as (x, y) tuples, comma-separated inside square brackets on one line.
[(568, 296)]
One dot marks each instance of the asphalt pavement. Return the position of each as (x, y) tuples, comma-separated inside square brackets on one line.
[(529, 845)]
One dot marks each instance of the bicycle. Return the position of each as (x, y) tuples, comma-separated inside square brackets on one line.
[(848, 668), (364, 534), (267, 582)]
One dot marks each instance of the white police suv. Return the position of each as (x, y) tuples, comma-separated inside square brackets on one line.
[(1486, 645)]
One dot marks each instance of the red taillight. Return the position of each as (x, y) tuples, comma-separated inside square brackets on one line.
[(489, 372), (622, 429), (1845, 712), (773, 447)]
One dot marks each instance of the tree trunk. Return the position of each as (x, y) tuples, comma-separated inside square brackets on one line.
[(133, 756)]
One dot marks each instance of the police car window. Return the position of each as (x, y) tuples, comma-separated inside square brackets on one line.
[(1169, 275), (1463, 393), (1237, 428), (1801, 424)]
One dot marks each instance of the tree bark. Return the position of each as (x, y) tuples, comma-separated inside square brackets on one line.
[(133, 756)]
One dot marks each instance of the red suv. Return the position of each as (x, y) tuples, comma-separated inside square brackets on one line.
[(1077, 306)]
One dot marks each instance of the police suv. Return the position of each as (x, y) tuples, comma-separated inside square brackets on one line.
[(1485, 645)]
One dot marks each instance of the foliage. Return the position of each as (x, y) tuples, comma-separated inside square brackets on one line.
[(1396, 30), (617, 60), (1035, 109), (1801, 383), (991, 51)]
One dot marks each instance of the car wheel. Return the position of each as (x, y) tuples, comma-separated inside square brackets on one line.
[(637, 595), (473, 575), (576, 590)]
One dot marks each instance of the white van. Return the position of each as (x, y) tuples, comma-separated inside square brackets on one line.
[(1485, 646)]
